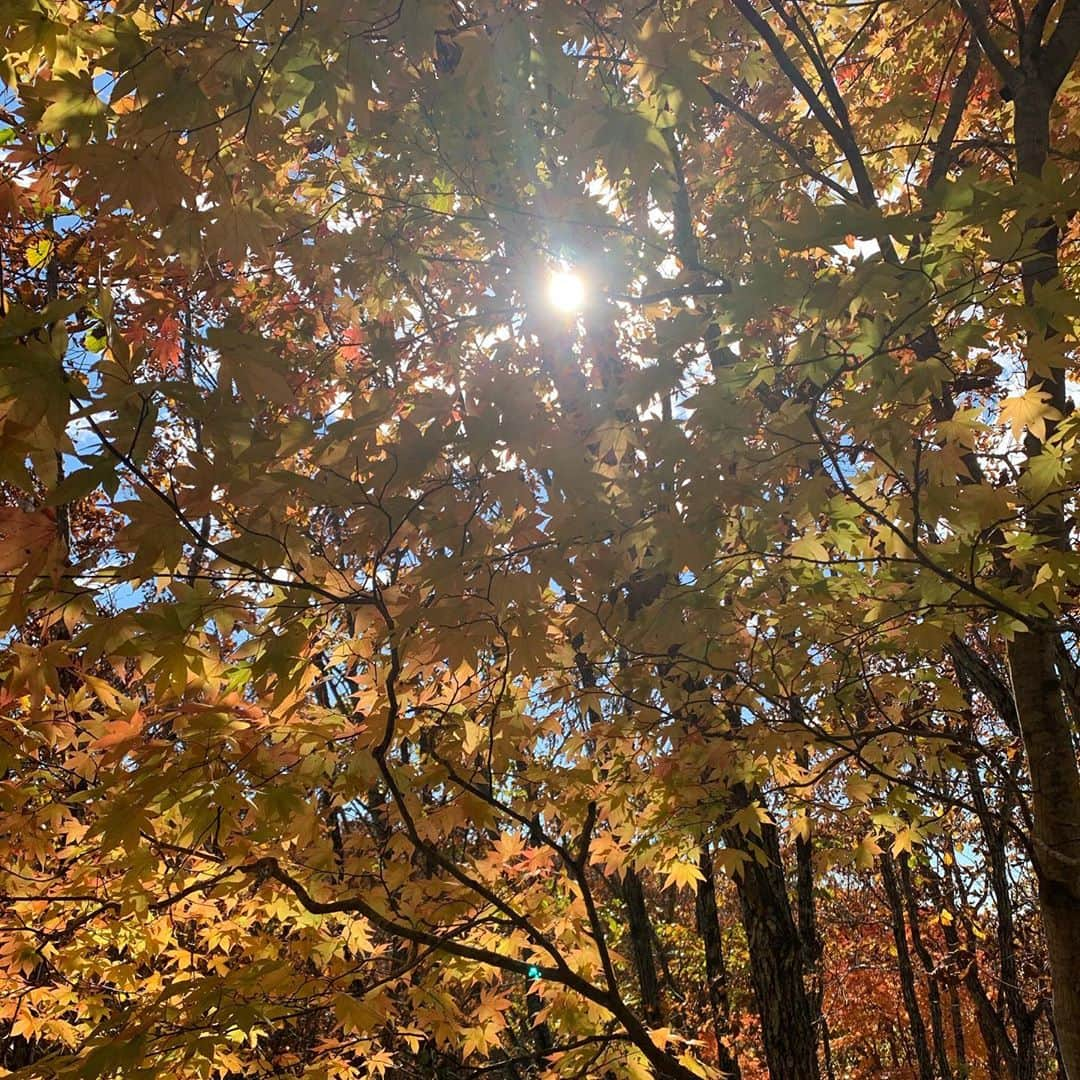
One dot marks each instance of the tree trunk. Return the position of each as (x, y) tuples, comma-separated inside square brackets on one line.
[(708, 928), (776, 965), (952, 945), (999, 1049), (956, 1020), (907, 974), (808, 932), (926, 959), (641, 946), (1055, 791), (994, 836), (1050, 751)]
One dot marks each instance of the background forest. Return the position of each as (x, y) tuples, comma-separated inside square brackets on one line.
[(538, 539)]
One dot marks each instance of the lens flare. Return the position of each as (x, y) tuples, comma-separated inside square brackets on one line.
[(566, 291)]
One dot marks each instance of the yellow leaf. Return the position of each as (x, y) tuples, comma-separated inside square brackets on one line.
[(859, 789), (637, 1068), (107, 695), (866, 851), (680, 874), (691, 1063), (1030, 411), (26, 1026), (730, 860), (905, 839), (800, 828), (38, 253), (475, 734), (378, 1062), (809, 547), (750, 819), (359, 1014)]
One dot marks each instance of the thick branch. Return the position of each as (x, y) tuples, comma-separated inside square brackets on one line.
[(975, 13), (957, 104), (1059, 53)]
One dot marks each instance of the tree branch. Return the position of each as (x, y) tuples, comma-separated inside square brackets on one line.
[(958, 100), (975, 13), (1060, 52), (841, 135)]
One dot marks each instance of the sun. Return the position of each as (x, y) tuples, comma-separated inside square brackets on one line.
[(566, 291)]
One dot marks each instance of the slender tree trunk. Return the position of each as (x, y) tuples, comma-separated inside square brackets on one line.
[(808, 932), (1000, 1053), (708, 928), (907, 974), (826, 1049), (637, 915), (995, 1036), (994, 837), (952, 946), (776, 963), (1032, 653), (956, 1022), (933, 989)]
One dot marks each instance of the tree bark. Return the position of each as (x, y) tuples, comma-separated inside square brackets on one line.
[(956, 1020), (641, 946), (907, 974), (1055, 796), (933, 989), (776, 963), (994, 837), (1032, 652), (995, 1036), (808, 934), (708, 928)]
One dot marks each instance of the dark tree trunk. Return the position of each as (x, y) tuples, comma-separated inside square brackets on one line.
[(808, 932), (999, 1048), (907, 975), (993, 832), (708, 928), (641, 938), (956, 1021), (933, 989), (776, 962), (1055, 788), (1000, 1053)]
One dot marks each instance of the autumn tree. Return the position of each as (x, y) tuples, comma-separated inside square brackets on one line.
[(532, 534)]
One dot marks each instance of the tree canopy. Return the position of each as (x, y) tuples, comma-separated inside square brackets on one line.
[(538, 539)]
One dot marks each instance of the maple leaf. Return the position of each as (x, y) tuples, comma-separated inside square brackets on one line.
[(1031, 410), (120, 733), (167, 347), (747, 546), (866, 851), (682, 874), (26, 536)]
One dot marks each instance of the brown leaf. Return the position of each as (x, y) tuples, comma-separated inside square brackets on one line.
[(24, 534)]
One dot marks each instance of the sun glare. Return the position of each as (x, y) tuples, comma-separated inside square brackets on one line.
[(566, 291)]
